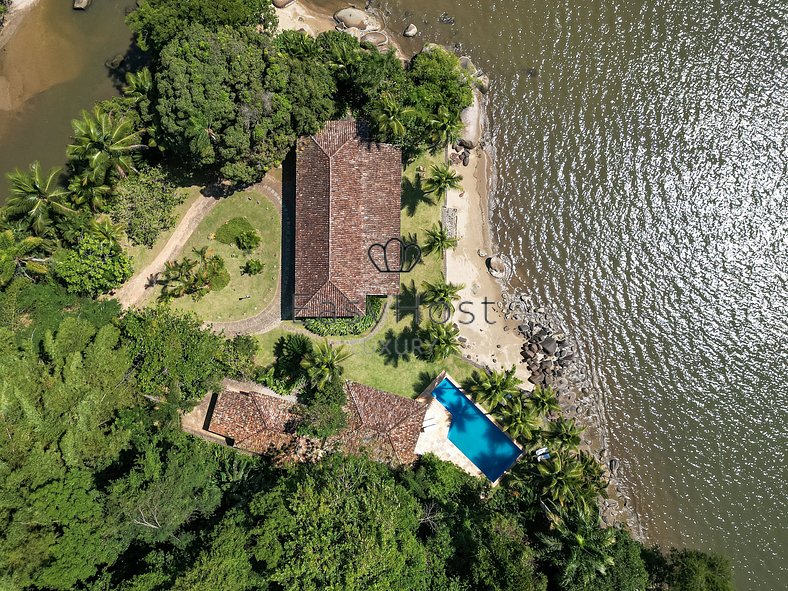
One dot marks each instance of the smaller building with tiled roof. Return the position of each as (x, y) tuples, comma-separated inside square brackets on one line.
[(381, 424), (256, 421), (347, 200)]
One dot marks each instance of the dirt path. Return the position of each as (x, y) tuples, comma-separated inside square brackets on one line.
[(134, 290)]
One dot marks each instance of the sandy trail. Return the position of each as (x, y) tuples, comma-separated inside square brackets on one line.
[(134, 290)]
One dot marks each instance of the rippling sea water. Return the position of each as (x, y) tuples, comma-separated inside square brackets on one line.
[(642, 189)]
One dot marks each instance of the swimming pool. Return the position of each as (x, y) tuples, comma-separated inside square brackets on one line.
[(476, 436)]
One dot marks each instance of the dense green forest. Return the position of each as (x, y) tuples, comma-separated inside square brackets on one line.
[(101, 490)]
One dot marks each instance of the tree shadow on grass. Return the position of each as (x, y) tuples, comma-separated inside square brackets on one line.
[(407, 304), (402, 347), (423, 380), (413, 194)]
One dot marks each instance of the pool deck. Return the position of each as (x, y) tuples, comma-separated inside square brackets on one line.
[(435, 439)]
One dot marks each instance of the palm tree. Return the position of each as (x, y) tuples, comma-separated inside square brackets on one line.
[(36, 197), (445, 128), (494, 389), (323, 364), (442, 340), (89, 188), (543, 401), (101, 141), (391, 117), (18, 256), (441, 293), (438, 240), (518, 420), (107, 232), (561, 479), (564, 433), (442, 179), (138, 85), (178, 278), (580, 548)]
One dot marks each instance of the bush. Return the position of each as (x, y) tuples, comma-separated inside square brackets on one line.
[(231, 230), (94, 267), (347, 326), (248, 240), (143, 205), (252, 267)]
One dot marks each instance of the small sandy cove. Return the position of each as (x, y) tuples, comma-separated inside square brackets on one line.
[(494, 345)]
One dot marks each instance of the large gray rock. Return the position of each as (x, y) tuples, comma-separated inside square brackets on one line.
[(82, 4), (354, 18), (283, 3), (411, 31), (375, 37), (496, 266), (549, 345), (467, 65)]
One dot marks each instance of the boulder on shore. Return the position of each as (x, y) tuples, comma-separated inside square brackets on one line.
[(375, 37), (496, 266), (353, 18), (82, 4), (411, 31), (283, 3)]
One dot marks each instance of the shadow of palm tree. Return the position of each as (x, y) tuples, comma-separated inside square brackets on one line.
[(413, 195), (395, 348), (407, 303)]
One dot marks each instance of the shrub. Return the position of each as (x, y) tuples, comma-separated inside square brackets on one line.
[(94, 267), (143, 205), (231, 230), (252, 267), (347, 326), (248, 240)]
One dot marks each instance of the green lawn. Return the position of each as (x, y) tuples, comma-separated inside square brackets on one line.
[(386, 361), (226, 304), (142, 256)]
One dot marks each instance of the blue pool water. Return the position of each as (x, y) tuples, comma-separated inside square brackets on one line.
[(483, 443)]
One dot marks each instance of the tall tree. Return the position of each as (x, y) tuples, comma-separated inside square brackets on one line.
[(36, 198), (441, 294), (324, 364), (440, 340), (581, 549), (438, 240), (494, 389), (25, 257), (442, 179), (104, 144), (543, 401), (518, 420)]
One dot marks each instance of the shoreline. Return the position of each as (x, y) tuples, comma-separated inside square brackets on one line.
[(494, 339), (16, 11)]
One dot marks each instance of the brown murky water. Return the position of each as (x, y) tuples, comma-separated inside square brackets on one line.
[(50, 69), (642, 190)]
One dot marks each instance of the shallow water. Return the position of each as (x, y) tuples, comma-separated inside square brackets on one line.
[(53, 66), (641, 156)]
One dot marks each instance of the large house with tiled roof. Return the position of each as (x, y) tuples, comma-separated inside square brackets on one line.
[(347, 199)]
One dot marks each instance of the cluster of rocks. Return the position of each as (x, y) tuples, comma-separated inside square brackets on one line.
[(461, 152), (547, 353), (363, 25)]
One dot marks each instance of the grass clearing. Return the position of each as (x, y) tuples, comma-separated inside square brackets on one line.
[(232, 303)]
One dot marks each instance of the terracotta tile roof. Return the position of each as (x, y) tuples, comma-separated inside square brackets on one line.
[(347, 198), (258, 423), (385, 425)]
